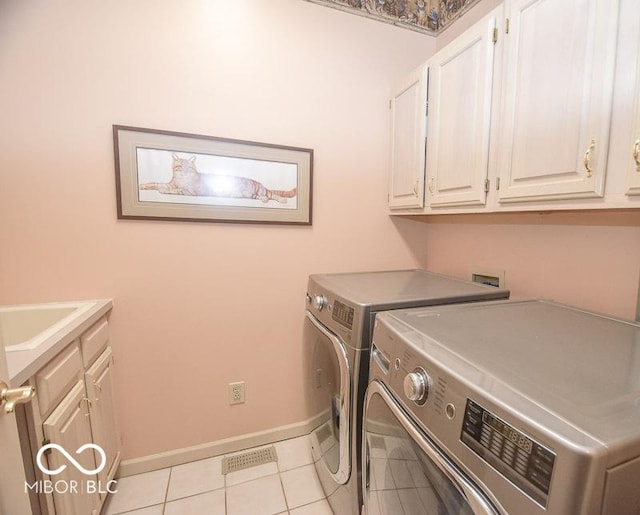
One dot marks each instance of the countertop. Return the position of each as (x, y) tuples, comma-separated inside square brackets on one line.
[(24, 364)]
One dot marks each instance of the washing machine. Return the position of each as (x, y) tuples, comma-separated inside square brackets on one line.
[(341, 310), (518, 407)]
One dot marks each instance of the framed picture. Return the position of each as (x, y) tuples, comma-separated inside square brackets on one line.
[(175, 176)]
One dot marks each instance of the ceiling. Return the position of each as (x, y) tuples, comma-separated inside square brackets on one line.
[(427, 16)]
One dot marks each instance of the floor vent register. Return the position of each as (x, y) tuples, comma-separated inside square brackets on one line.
[(249, 459)]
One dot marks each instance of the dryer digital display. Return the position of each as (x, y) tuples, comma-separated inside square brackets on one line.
[(517, 456), (343, 314)]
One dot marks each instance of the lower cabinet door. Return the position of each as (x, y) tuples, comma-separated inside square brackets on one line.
[(99, 381), (74, 490)]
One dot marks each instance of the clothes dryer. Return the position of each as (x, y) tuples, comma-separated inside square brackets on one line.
[(341, 309), (519, 407)]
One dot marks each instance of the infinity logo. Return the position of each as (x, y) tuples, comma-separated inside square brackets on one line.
[(77, 465)]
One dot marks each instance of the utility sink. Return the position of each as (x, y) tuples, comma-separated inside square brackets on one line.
[(28, 326)]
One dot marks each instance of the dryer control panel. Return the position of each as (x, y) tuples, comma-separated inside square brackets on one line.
[(343, 314), (517, 456)]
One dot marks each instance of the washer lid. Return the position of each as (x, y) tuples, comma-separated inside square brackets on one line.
[(581, 367), (404, 288)]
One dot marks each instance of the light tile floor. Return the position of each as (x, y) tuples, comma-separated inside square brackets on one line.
[(289, 486)]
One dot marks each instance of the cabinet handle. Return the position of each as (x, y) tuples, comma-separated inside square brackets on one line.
[(88, 401), (415, 187), (431, 185), (636, 154), (587, 157), (98, 387)]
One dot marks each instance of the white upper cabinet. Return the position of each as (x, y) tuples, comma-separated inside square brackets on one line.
[(545, 118), (408, 114), (459, 95), (633, 145), (557, 92), (634, 169)]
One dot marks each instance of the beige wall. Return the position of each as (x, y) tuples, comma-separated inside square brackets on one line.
[(196, 305), (587, 260)]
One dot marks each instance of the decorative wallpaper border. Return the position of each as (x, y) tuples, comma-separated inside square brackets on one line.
[(428, 16)]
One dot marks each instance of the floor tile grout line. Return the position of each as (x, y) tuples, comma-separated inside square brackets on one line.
[(195, 494), (266, 475), (226, 509), (224, 482), (311, 502), (284, 492), (166, 492)]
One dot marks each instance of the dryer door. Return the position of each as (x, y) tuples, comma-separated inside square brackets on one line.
[(404, 472), (328, 388)]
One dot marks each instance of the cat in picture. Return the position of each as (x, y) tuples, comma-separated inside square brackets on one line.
[(186, 180)]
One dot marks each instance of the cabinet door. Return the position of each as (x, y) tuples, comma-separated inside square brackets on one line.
[(99, 382), (557, 95), (408, 127), (633, 166), (460, 92), (68, 426)]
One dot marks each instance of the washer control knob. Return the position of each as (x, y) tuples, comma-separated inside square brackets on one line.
[(416, 385), (319, 302)]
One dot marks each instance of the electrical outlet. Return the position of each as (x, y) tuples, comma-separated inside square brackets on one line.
[(236, 393)]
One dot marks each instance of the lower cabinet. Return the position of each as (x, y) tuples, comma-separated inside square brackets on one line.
[(73, 431), (70, 428), (104, 426)]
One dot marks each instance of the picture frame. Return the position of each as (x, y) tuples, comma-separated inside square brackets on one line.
[(163, 175)]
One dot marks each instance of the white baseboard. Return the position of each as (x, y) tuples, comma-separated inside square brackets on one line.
[(216, 448)]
